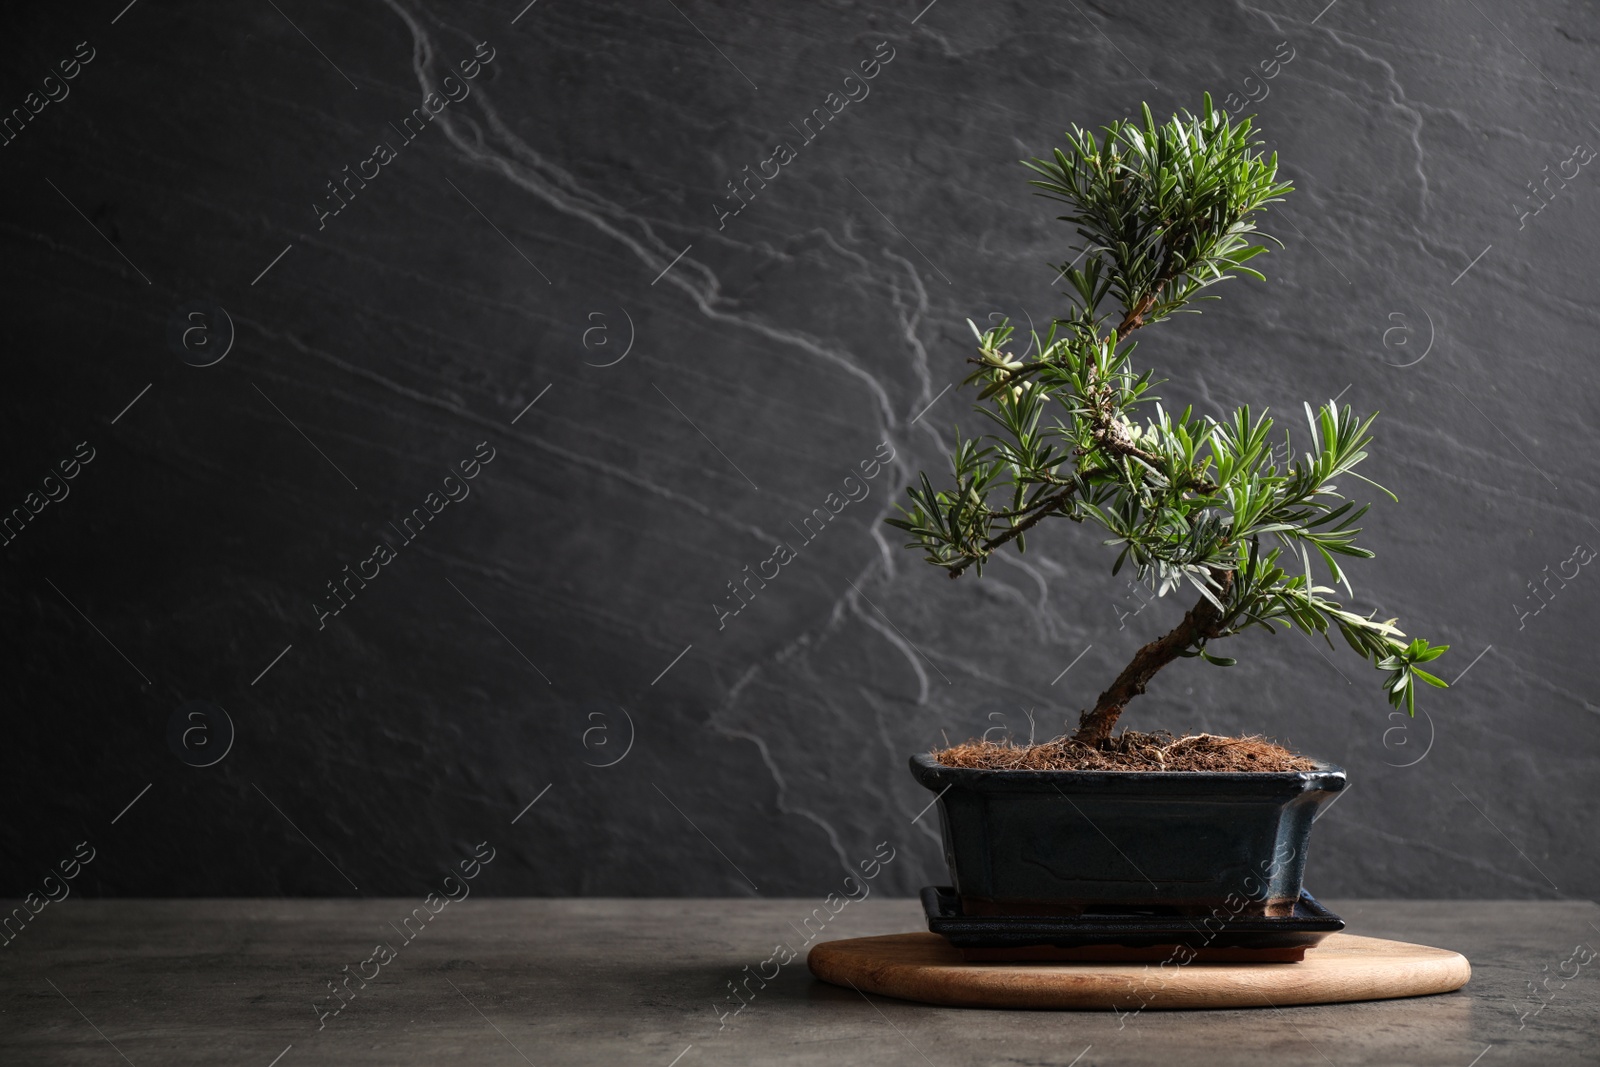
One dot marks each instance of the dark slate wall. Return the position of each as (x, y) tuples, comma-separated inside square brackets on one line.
[(550, 277)]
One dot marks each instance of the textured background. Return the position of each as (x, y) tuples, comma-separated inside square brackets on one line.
[(562, 616)]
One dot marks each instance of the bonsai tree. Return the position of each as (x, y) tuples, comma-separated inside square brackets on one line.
[(1165, 212)]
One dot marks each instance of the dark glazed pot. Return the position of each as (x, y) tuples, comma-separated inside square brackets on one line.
[(1157, 842)]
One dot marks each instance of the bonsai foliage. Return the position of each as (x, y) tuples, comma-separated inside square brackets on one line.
[(1166, 212)]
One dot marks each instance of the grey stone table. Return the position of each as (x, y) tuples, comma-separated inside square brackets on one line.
[(567, 982)]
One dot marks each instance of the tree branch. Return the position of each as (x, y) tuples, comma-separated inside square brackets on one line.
[(1110, 437), (1017, 529), (1202, 622)]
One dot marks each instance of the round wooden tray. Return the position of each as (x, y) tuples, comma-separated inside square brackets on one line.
[(1343, 967)]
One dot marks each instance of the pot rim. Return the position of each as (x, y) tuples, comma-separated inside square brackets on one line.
[(932, 774)]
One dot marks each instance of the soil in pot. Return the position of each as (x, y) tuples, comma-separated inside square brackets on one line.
[(1130, 751)]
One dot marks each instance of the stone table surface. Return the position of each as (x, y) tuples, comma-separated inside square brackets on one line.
[(608, 981)]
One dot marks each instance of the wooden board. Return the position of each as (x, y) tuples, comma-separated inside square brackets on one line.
[(1344, 967)]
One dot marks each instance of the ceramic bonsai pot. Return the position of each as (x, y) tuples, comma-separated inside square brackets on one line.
[(1126, 842)]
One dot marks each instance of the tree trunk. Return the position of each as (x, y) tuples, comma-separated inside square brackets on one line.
[(1094, 726)]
